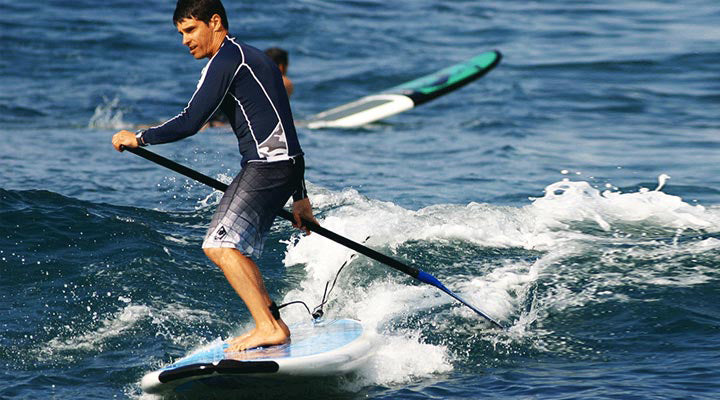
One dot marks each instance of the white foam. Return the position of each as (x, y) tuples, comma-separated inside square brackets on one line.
[(569, 201), (108, 115), (559, 225), (404, 358), (500, 292), (542, 225)]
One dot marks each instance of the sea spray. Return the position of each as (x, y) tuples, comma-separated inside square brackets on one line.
[(551, 232)]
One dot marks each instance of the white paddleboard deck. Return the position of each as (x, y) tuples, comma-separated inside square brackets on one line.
[(405, 96), (328, 348)]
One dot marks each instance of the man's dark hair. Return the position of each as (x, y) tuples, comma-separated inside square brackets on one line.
[(202, 10), (278, 55)]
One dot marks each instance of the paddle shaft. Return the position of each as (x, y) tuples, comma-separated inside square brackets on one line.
[(389, 261)]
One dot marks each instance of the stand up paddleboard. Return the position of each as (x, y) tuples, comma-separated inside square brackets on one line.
[(406, 96), (317, 349)]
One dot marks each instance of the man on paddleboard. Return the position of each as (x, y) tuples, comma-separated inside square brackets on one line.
[(248, 88)]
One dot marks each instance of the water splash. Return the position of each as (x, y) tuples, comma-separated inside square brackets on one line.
[(124, 323), (108, 115), (564, 240), (568, 201)]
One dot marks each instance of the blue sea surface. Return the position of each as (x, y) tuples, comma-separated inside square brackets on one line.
[(573, 194)]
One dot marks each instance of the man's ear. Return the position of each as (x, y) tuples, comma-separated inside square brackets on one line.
[(216, 23)]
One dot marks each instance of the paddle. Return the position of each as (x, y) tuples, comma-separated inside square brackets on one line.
[(420, 275)]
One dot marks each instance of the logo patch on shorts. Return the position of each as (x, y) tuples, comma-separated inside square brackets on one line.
[(220, 233)]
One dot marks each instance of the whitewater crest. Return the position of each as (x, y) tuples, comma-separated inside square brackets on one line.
[(578, 201), (572, 218), (541, 225)]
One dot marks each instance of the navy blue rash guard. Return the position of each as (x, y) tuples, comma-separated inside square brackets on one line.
[(247, 86)]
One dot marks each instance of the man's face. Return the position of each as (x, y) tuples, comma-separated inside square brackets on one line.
[(197, 36)]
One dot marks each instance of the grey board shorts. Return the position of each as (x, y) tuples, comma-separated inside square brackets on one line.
[(250, 204)]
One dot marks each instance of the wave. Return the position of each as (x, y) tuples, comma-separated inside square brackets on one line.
[(119, 277), (575, 247)]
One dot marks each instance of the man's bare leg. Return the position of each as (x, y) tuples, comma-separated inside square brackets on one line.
[(244, 276)]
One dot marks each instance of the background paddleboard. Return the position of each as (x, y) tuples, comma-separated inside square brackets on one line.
[(406, 96), (323, 349)]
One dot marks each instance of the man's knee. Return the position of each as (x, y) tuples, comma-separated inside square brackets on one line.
[(218, 254), (214, 253)]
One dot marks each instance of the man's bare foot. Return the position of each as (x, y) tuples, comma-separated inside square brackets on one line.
[(272, 335), (239, 339)]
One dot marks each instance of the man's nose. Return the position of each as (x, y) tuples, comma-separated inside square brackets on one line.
[(186, 40)]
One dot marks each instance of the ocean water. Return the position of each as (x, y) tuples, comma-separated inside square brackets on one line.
[(540, 193)]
